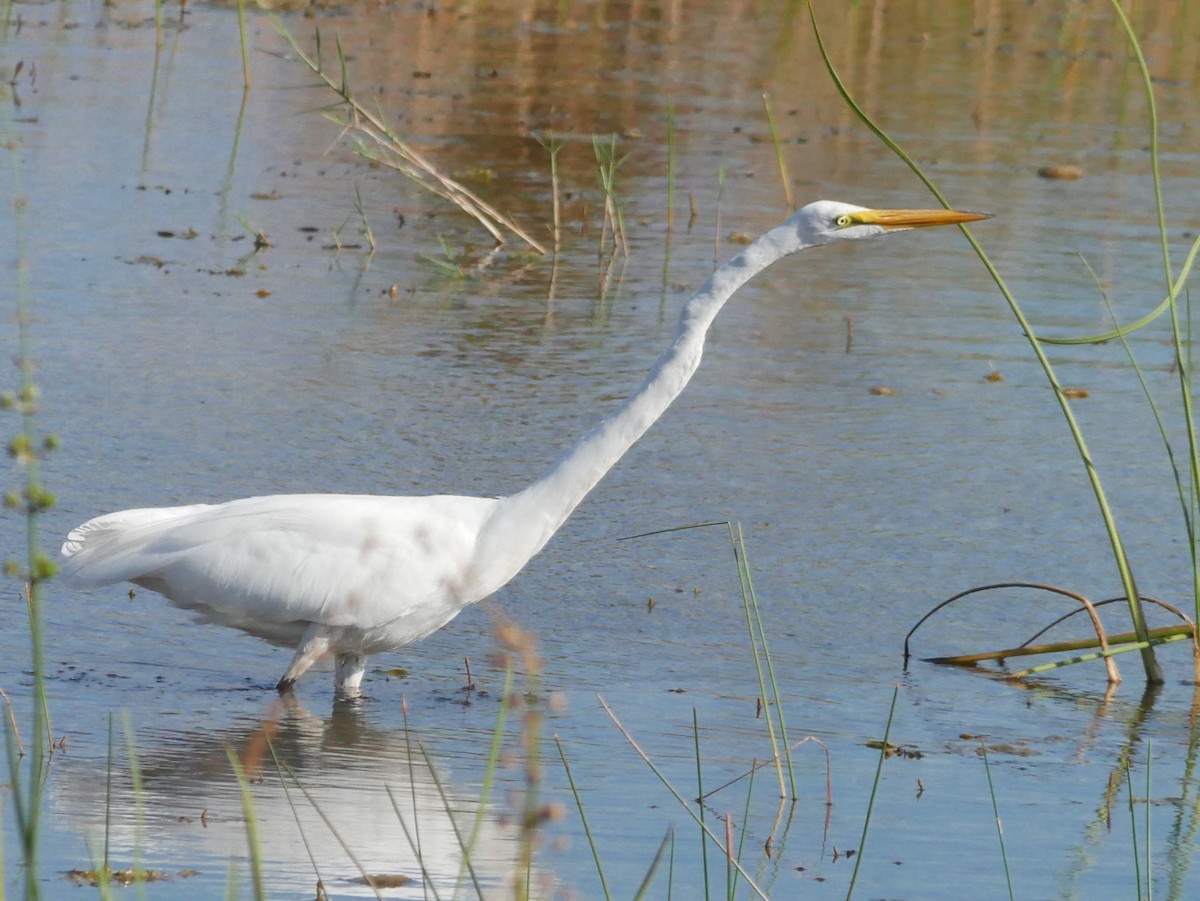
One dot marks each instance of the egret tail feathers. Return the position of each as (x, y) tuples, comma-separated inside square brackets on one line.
[(101, 551)]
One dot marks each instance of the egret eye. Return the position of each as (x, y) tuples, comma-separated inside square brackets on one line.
[(842, 221)]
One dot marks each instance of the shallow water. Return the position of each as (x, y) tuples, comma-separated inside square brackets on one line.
[(177, 365)]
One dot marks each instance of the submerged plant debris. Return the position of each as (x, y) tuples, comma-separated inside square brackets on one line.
[(128, 876)]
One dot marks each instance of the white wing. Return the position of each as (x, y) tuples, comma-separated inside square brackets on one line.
[(400, 565)]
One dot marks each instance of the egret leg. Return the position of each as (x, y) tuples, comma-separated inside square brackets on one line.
[(314, 645), (349, 674)]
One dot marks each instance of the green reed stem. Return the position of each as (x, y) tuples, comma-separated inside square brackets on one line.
[(883, 753), (668, 841), (1172, 289), (718, 840), (587, 831), (987, 768), (758, 638), (1125, 571), (780, 160), (1133, 833), (700, 795)]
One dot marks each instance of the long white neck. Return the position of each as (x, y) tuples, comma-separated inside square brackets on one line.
[(524, 522)]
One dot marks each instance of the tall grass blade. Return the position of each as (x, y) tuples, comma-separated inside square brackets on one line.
[(333, 830), (644, 887), (283, 781), (587, 831), (1133, 832), (883, 753), (987, 768), (26, 448), (753, 886), (758, 639), (253, 848), (780, 160), (414, 844), (670, 168), (1149, 662), (241, 11), (1129, 328), (700, 796), (458, 837)]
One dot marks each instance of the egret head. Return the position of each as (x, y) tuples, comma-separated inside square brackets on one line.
[(826, 221)]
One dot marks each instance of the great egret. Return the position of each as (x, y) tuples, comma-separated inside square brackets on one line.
[(353, 575)]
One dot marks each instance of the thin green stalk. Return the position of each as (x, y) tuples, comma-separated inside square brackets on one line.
[(742, 838), (1188, 520), (1133, 832), (717, 222), (553, 146), (1172, 287), (587, 831), (1149, 662), (241, 11), (758, 637), (987, 768), (883, 753), (414, 843), (32, 501), (1175, 289), (494, 750), (644, 887), (1100, 655), (779, 158), (670, 166), (1149, 879), (466, 850), (308, 848), (700, 794), (108, 797), (753, 886), (253, 848)]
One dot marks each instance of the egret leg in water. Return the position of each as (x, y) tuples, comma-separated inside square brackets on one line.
[(354, 575)]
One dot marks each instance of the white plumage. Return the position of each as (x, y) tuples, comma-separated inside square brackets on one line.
[(353, 575)]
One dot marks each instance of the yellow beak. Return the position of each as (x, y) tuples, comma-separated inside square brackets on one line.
[(915, 218)]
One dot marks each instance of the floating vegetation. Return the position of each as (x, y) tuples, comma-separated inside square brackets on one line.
[(129, 876)]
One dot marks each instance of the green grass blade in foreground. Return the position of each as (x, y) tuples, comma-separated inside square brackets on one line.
[(1149, 662), (1187, 499), (668, 841), (1133, 831), (414, 845), (1129, 328), (987, 767), (780, 160), (1172, 286), (308, 849), (758, 637), (493, 760), (587, 831), (255, 855), (449, 809), (883, 753), (252, 846), (678, 797), (701, 805)]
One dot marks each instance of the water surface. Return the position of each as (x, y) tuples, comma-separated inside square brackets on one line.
[(177, 365)]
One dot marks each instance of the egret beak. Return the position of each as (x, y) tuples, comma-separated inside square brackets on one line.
[(897, 219)]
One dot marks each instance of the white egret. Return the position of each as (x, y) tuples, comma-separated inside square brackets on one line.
[(353, 575)]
